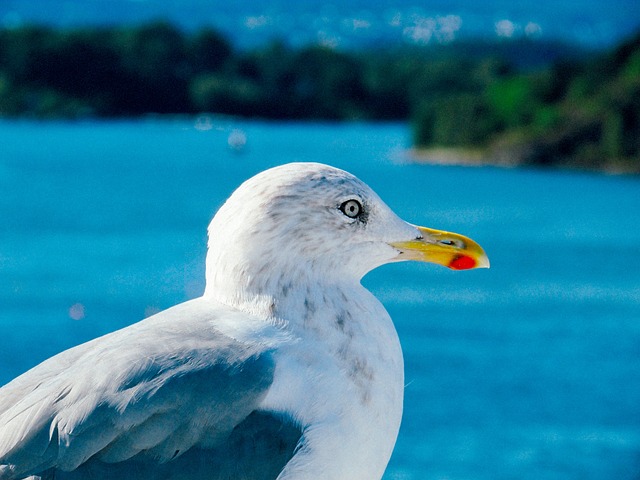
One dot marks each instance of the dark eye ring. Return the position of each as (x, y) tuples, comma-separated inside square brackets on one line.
[(351, 208)]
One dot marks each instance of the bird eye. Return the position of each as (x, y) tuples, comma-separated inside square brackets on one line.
[(351, 208)]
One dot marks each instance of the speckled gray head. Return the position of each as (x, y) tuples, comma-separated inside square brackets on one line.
[(318, 220)]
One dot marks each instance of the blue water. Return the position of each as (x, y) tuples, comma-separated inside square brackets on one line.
[(530, 370), (356, 23)]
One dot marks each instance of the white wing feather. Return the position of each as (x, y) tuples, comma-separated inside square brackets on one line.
[(156, 388)]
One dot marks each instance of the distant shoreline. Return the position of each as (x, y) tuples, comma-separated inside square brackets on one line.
[(470, 157), (449, 156)]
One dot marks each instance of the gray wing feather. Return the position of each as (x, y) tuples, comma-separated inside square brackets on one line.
[(257, 449), (150, 392)]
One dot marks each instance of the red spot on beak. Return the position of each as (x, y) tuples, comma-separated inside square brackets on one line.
[(462, 262)]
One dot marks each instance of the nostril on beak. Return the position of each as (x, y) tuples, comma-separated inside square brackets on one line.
[(452, 243)]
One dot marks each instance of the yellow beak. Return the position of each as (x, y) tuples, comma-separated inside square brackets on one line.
[(444, 248)]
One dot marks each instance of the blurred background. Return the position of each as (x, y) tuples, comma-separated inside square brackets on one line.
[(526, 83), (124, 125)]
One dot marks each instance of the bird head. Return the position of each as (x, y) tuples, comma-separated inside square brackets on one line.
[(319, 221)]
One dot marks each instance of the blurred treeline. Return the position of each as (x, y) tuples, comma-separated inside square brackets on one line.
[(583, 114), (158, 68), (521, 100)]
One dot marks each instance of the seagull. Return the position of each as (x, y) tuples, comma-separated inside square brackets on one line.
[(285, 368)]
